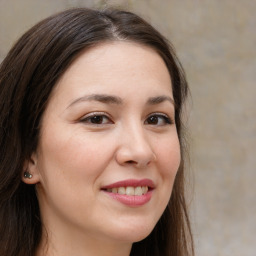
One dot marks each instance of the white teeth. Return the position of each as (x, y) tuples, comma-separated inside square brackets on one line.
[(144, 190), (138, 191), (130, 191), (121, 191), (114, 190)]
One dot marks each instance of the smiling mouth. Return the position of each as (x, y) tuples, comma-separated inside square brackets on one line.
[(130, 187), (129, 191)]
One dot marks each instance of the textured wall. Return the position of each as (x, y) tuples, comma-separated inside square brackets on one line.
[(216, 42)]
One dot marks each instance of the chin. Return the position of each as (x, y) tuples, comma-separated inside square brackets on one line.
[(134, 233)]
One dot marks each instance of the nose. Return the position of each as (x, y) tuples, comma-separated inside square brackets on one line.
[(134, 148)]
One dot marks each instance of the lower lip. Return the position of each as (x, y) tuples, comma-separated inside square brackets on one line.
[(131, 201)]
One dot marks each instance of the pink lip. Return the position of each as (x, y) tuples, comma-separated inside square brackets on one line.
[(131, 201)]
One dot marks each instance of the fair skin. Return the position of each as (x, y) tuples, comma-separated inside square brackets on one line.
[(110, 118)]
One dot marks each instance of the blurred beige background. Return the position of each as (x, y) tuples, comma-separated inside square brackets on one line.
[(216, 42)]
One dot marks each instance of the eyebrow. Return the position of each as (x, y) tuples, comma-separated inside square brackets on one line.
[(104, 98), (111, 99), (159, 99)]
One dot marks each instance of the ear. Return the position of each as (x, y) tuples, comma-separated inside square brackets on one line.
[(30, 173)]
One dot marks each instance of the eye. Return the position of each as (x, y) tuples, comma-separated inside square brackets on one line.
[(158, 120), (96, 119)]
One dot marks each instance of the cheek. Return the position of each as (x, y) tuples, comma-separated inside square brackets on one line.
[(69, 165), (168, 161), (74, 154), (169, 157)]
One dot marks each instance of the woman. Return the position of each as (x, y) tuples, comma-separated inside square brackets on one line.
[(92, 149)]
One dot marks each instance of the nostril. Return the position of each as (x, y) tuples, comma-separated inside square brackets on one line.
[(139, 164), (130, 162)]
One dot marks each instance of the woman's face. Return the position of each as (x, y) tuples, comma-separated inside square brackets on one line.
[(109, 151)]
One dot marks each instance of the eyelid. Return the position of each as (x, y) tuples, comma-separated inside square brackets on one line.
[(164, 115), (93, 114)]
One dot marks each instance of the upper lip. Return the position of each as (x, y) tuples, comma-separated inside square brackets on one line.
[(131, 183)]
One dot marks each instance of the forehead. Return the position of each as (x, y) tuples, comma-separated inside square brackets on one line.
[(115, 67)]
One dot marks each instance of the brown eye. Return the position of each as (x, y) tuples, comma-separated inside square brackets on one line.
[(96, 119), (153, 120), (158, 119)]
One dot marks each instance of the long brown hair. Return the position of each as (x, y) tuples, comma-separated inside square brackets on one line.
[(27, 77)]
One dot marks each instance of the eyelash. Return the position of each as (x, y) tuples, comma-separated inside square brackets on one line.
[(100, 116), (166, 118)]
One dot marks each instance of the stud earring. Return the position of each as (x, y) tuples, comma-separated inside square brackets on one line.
[(28, 175)]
